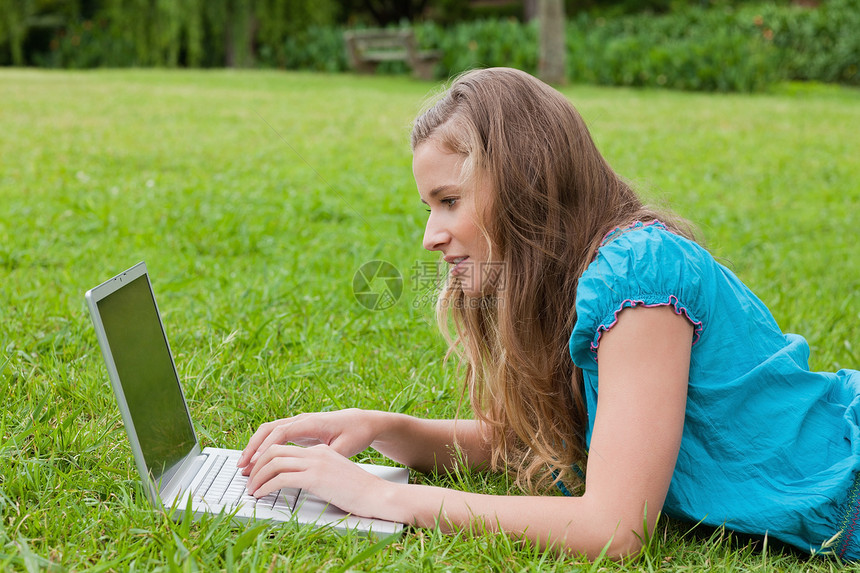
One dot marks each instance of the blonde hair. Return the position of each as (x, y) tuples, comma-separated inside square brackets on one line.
[(553, 199)]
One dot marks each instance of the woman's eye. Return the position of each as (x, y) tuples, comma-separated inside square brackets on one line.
[(449, 202)]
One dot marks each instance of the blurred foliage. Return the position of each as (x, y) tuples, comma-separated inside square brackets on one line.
[(453, 11), (703, 50), (22, 21), (725, 46), (821, 45), (232, 32), (318, 48), (170, 33), (482, 43), (612, 8)]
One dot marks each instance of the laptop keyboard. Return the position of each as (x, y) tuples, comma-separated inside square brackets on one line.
[(223, 487)]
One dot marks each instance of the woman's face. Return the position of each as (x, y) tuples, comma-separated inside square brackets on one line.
[(452, 226)]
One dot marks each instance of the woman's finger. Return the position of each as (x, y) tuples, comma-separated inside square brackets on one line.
[(276, 472), (275, 452), (254, 443), (270, 433)]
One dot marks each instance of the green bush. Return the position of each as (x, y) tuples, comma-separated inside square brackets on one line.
[(821, 45), (692, 50), (482, 43), (88, 44), (319, 48)]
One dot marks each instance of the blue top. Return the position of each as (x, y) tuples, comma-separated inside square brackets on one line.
[(768, 446)]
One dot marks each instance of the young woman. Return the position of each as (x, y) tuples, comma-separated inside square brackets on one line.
[(602, 347)]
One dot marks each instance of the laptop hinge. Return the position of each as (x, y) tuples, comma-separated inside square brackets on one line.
[(183, 474)]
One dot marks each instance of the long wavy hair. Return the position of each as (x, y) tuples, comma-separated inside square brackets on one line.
[(553, 198)]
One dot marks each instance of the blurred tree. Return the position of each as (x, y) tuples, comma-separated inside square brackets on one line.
[(13, 27), (551, 41), (530, 8), (163, 32), (451, 12), (387, 12), (159, 32), (275, 20), (21, 20)]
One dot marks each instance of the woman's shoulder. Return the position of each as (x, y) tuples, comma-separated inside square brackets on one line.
[(642, 239), (644, 264), (646, 255)]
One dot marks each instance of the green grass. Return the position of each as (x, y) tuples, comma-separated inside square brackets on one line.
[(254, 197)]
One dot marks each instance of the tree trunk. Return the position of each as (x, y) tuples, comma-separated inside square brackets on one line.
[(239, 32), (551, 30)]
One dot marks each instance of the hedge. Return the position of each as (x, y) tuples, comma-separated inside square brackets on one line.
[(720, 49)]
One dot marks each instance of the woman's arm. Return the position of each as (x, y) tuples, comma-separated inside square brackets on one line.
[(643, 372), (643, 364), (643, 368), (428, 445)]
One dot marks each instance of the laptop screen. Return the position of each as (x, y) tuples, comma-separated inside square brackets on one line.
[(147, 374)]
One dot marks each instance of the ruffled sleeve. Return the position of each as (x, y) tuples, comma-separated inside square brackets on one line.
[(643, 266)]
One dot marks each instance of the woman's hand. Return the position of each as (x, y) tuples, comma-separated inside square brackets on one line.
[(320, 470), (346, 432)]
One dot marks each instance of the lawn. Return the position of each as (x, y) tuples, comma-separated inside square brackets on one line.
[(254, 197)]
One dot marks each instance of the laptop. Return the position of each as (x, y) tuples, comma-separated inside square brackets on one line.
[(174, 470)]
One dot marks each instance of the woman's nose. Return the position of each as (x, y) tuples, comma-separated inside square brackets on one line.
[(435, 236)]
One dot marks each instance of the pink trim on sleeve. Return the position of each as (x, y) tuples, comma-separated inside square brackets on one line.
[(673, 301), (617, 231)]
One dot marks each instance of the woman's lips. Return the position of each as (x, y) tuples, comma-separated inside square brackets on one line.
[(458, 267)]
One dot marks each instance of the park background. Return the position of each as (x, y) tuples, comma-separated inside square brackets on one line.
[(256, 184), (712, 45)]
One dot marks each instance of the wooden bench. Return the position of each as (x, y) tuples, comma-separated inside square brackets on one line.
[(366, 49)]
